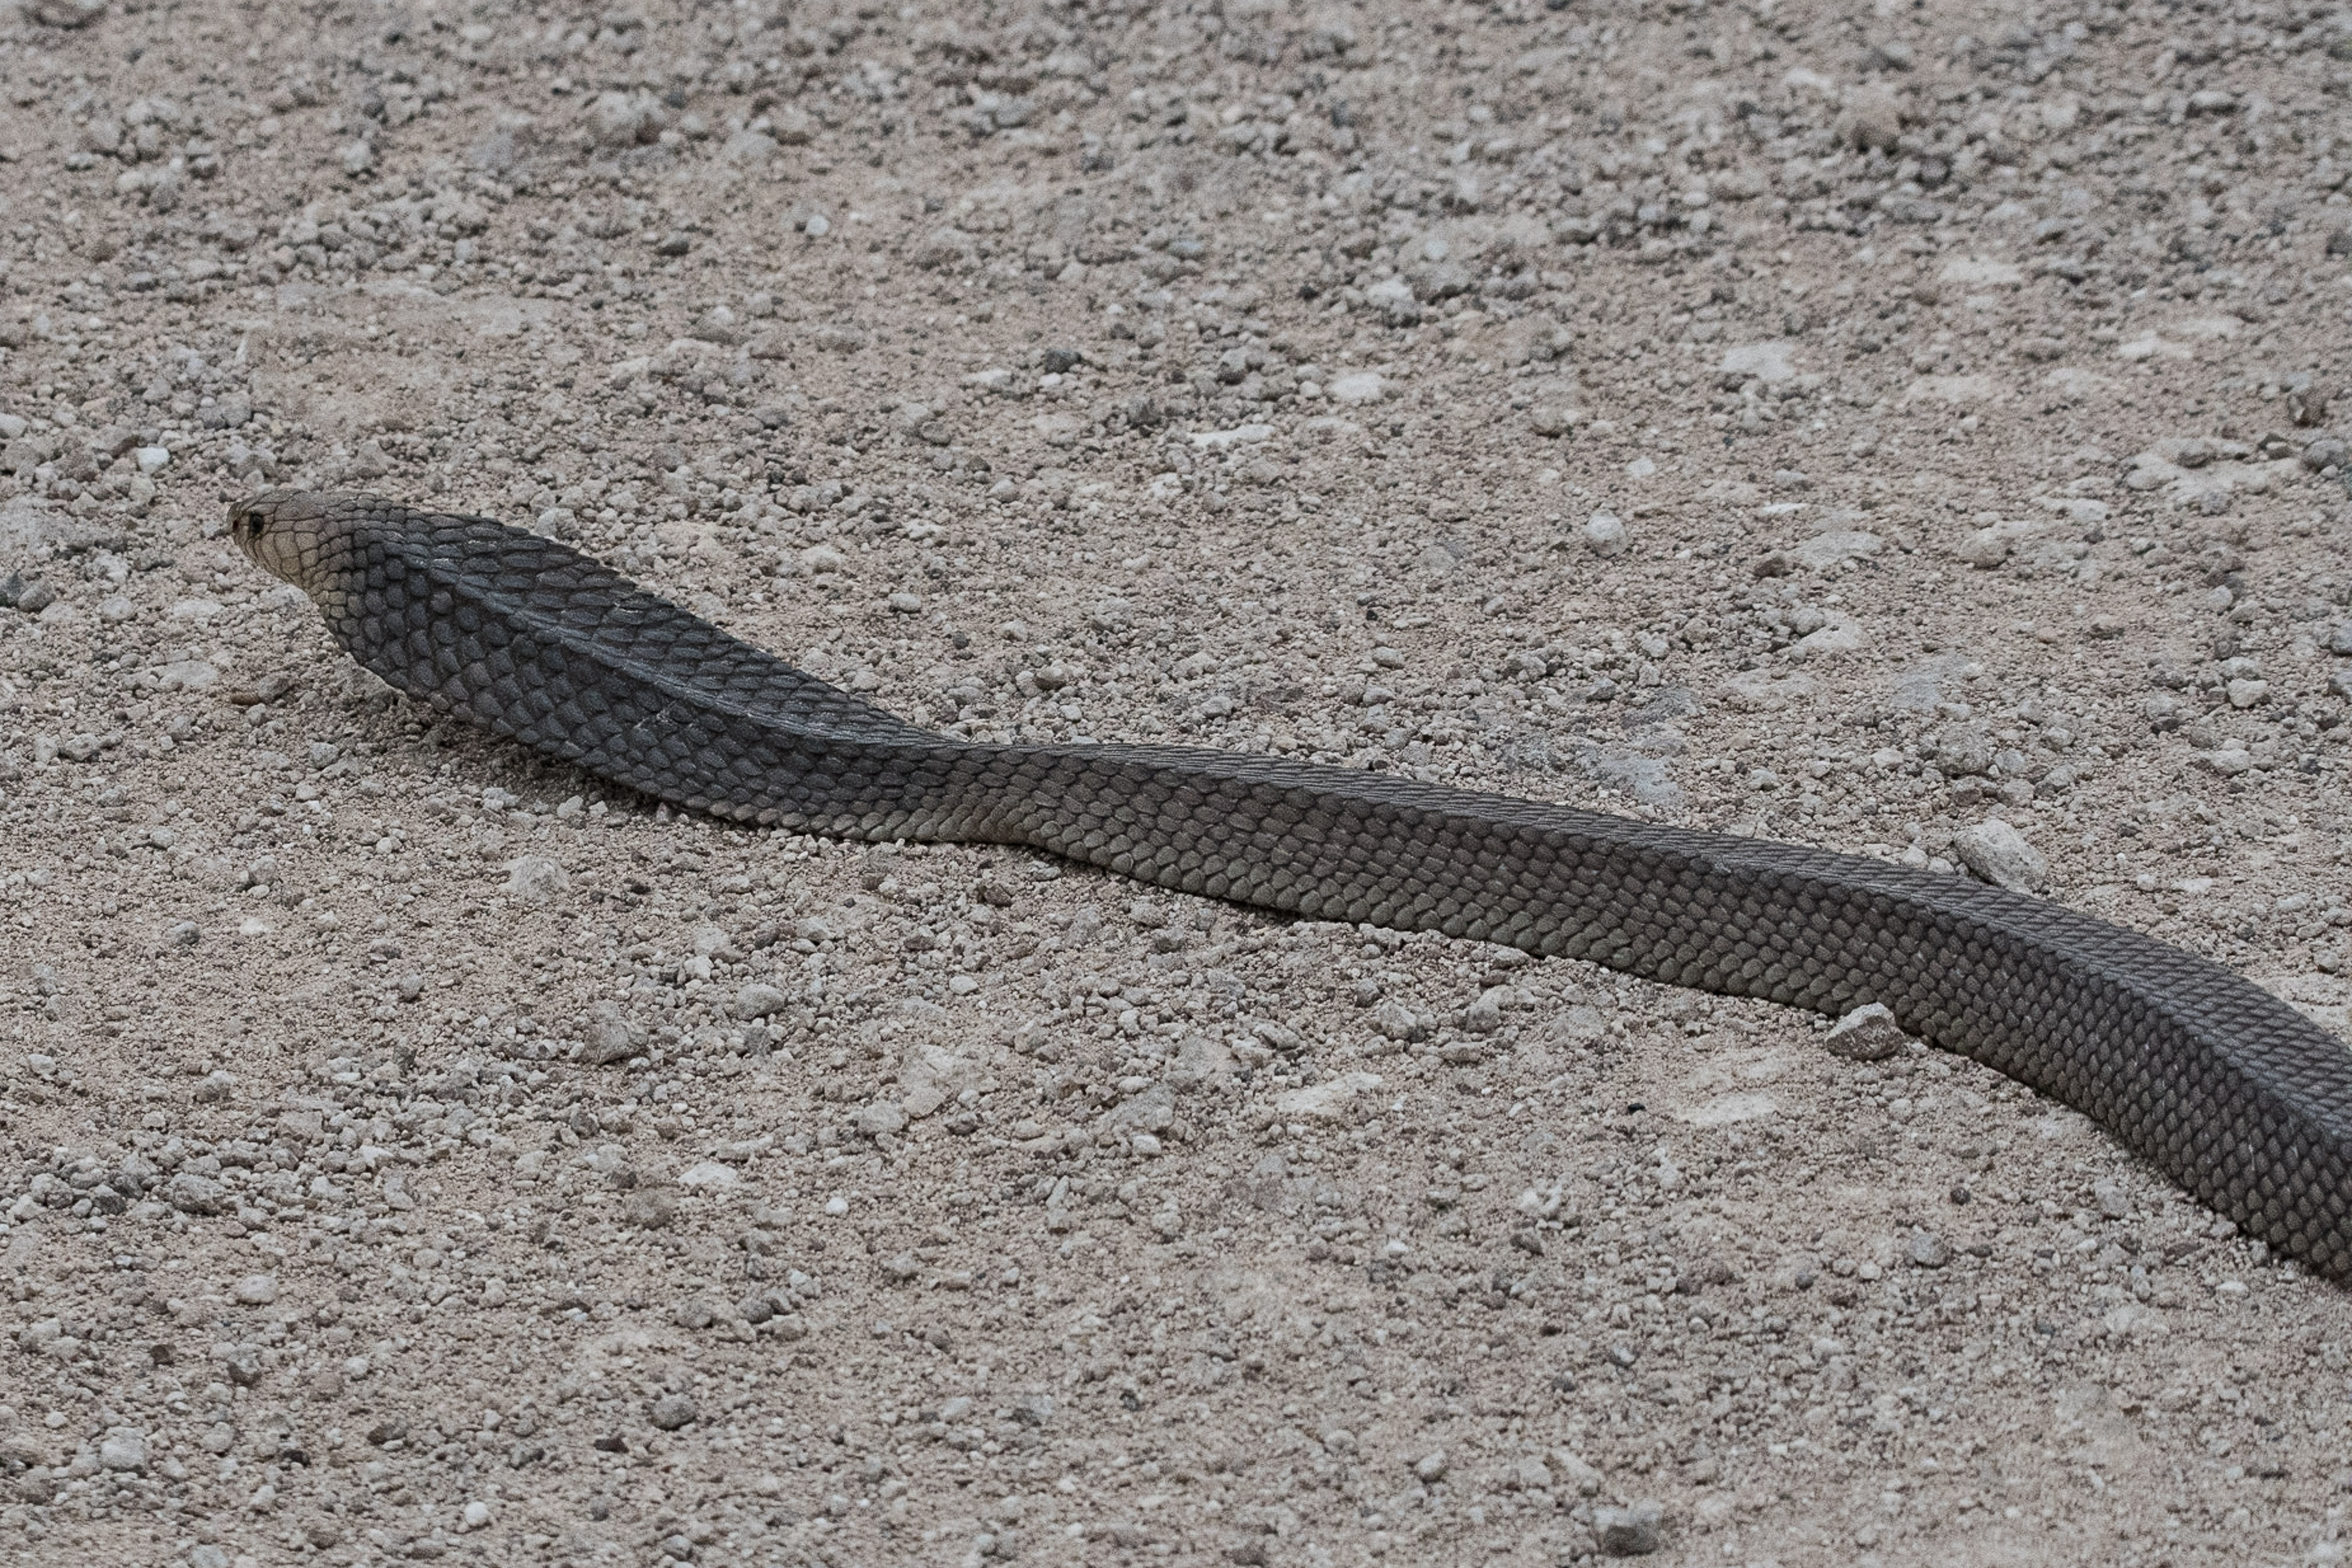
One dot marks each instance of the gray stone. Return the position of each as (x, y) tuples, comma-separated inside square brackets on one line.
[(1986, 547), (1574, 1473), (193, 1194), (1604, 536), (1430, 1468), (749, 147), (1767, 362), (1628, 1531), (607, 1038), (231, 411), (256, 1289), (123, 1449), (1840, 636), (624, 119), (791, 124), (1962, 750), (650, 1207), (1997, 853), (1442, 558), (242, 1363), (1928, 1251), (1874, 119), (945, 247), (1868, 1033), (1197, 1060), (1333, 1099), (672, 1411), (1151, 1110), (535, 879), (759, 1001), (1825, 550), (880, 1117), (1393, 298)]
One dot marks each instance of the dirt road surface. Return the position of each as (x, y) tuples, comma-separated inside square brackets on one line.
[(1852, 425)]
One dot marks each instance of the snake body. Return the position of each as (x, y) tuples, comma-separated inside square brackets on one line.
[(2234, 1094)]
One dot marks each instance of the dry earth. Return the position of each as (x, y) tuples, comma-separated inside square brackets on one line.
[(1847, 426)]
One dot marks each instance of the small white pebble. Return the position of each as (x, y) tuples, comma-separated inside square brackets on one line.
[(1604, 536)]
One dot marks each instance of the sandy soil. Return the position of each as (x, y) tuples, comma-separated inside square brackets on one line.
[(1850, 426)]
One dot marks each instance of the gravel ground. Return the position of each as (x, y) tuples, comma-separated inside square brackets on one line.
[(1906, 431)]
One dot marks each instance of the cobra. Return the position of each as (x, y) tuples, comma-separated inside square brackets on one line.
[(2229, 1092)]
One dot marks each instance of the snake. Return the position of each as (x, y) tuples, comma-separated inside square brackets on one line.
[(2234, 1095)]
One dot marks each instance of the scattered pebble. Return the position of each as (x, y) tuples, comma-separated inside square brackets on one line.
[(672, 1411), (1771, 363), (650, 1207), (1824, 551), (606, 1036), (1868, 1033), (123, 1450), (1332, 1100), (1633, 1532), (1997, 853), (535, 878), (759, 1001), (1604, 536)]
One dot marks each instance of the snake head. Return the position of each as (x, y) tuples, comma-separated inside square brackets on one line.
[(278, 531)]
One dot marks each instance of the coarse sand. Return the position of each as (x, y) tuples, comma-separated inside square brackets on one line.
[(1910, 430)]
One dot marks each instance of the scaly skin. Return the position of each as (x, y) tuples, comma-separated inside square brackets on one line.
[(2231, 1093)]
